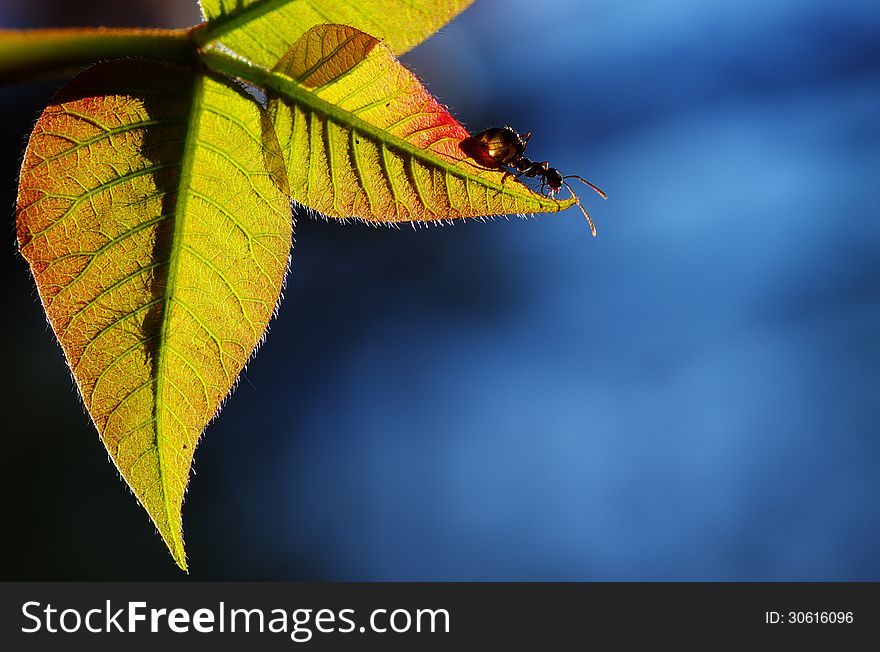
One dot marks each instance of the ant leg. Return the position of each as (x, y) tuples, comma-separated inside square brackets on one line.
[(577, 201), (508, 173), (545, 186), (579, 178)]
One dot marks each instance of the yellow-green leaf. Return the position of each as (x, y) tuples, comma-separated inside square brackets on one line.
[(263, 30), (363, 138), (159, 243)]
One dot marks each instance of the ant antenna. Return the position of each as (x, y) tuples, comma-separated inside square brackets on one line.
[(577, 201), (598, 190)]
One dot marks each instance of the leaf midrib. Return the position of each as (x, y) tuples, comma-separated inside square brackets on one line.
[(176, 249)]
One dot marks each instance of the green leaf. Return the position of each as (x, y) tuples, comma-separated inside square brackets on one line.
[(363, 138), (159, 243), (154, 205), (263, 30)]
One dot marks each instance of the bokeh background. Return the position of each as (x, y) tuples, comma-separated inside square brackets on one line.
[(694, 395)]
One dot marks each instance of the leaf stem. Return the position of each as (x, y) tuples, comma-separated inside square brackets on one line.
[(41, 53)]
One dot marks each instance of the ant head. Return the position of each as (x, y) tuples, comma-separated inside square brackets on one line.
[(554, 179)]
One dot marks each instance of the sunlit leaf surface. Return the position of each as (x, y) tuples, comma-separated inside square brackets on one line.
[(159, 244), (263, 30)]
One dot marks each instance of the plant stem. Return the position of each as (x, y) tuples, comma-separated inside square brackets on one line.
[(40, 53)]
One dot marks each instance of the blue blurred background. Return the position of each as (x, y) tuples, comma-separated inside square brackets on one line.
[(693, 395)]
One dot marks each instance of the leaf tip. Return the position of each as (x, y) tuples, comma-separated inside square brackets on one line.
[(178, 552)]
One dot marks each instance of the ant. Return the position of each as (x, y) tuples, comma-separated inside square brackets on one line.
[(500, 146)]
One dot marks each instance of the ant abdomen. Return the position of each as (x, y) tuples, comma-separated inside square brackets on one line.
[(496, 146)]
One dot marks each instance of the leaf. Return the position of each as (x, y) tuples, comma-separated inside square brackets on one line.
[(262, 30), (154, 206), (363, 138), (159, 243)]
